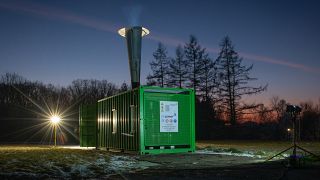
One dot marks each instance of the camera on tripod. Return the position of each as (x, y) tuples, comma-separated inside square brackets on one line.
[(293, 109), (294, 158)]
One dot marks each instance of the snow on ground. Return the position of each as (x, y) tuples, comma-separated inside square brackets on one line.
[(125, 163), (73, 162), (244, 154), (249, 149), (64, 162), (262, 156)]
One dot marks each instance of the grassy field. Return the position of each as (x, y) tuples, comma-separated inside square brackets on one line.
[(23, 161), (51, 162), (265, 148)]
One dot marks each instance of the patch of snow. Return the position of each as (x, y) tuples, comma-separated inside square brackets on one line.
[(239, 154), (225, 153), (48, 164), (81, 170), (100, 161), (125, 163)]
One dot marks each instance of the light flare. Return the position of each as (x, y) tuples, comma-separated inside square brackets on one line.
[(55, 119), (51, 117)]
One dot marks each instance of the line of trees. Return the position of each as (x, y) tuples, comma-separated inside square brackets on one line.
[(23, 103), (16, 90), (219, 83), (26, 104)]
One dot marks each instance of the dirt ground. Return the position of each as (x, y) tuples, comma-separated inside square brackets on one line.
[(271, 170), (232, 160), (212, 160)]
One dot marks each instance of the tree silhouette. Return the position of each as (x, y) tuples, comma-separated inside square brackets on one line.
[(124, 87), (178, 69), (159, 67), (208, 79), (234, 78), (194, 55), (279, 107)]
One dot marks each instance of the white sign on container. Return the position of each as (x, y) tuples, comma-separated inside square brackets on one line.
[(168, 116)]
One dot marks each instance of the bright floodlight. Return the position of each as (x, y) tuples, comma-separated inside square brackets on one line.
[(144, 32), (55, 119)]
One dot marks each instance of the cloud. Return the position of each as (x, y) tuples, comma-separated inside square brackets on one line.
[(175, 42), (67, 16), (164, 39), (58, 14), (280, 62)]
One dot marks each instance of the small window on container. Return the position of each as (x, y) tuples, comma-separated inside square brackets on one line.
[(114, 121), (133, 115)]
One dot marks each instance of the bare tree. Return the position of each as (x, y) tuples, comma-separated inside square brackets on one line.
[(178, 69), (234, 78), (264, 114), (9, 94), (208, 79), (89, 91), (194, 55), (34, 101), (159, 67), (310, 121), (279, 107), (124, 87)]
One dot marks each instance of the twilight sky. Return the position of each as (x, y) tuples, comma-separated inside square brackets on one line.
[(59, 41)]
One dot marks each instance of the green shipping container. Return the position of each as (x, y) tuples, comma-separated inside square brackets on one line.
[(88, 125), (147, 120)]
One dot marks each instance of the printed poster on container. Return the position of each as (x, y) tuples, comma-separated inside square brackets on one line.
[(168, 116)]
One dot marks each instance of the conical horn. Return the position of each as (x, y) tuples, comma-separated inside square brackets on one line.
[(133, 36)]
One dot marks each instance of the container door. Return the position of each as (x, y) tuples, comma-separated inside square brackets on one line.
[(167, 119), (88, 125)]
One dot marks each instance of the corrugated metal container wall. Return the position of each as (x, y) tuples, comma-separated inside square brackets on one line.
[(148, 120), (118, 121), (88, 125)]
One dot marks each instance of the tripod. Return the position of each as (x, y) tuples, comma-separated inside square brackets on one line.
[(293, 159)]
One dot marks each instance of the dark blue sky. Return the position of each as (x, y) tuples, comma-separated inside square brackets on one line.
[(59, 41)]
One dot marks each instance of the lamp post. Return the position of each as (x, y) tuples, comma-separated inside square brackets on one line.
[(55, 121), (289, 133)]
